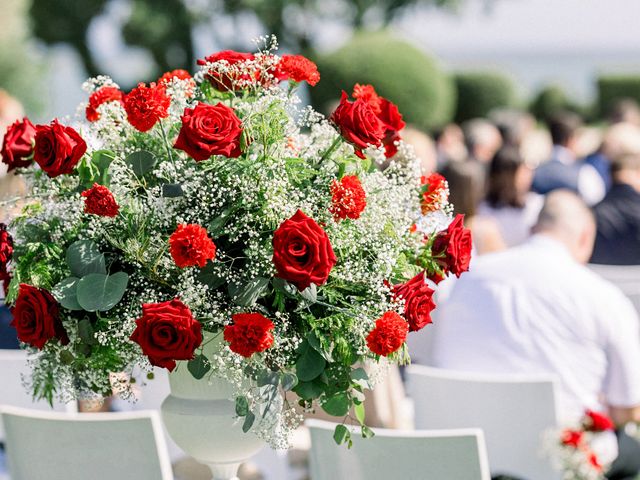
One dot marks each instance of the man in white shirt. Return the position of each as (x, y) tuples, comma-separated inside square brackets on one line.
[(537, 309)]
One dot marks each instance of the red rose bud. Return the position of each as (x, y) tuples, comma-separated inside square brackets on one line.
[(17, 145), (302, 252), (167, 332), (249, 334), (298, 69), (6, 248), (358, 124), (418, 301), (99, 97), (99, 201), (210, 130), (348, 198), (392, 119), (455, 244), (388, 335), (36, 317), (597, 422), (145, 106), (572, 438), (190, 245), (58, 148), (229, 77)]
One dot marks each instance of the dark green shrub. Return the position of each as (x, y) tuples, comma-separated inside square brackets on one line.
[(549, 101), (398, 71), (481, 92), (616, 87)]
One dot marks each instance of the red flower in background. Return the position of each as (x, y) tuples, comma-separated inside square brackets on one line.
[(572, 438), (167, 332), (190, 245), (302, 252), (99, 201), (388, 335), (6, 248), (58, 148), (36, 317), (418, 301), (17, 145), (358, 124), (298, 69), (455, 245), (348, 198), (434, 192), (145, 106), (597, 422), (231, 76), (179, 74), (100, 96), (249, 334), (210, 130)]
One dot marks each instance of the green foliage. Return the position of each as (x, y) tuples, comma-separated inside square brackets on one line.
[(100, 292), (398, 70), (549, 101), (141, 162), (481, 92), (310, 363), (198, 366), (39, 265), (83, 257), (617, 87)]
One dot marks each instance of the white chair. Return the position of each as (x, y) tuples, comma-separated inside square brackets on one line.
[(99, 446), (625, 277), (401, 454), (513, 412)]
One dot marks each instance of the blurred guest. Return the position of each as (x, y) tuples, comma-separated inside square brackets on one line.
[(482, 139), (624, 110), (466, 189), (514, 125), (423, 147), (537, 309), (450, 145), (564, 170), (509, 200), (618, 215)]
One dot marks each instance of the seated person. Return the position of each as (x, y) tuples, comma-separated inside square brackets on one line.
[(537, 309)]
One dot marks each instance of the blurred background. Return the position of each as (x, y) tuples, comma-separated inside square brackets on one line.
[(459, 59)]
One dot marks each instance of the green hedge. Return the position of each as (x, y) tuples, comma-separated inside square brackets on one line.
[(399, 71), (548, 102), (481, 92), (615, 87)]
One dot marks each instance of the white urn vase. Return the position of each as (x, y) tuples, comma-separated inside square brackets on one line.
[(200, 417)]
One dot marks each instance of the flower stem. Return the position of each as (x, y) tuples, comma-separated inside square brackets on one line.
[(331, 149), (166, 141)]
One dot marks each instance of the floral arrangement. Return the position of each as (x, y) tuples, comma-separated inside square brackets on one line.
[(583, 451), (216, 208)]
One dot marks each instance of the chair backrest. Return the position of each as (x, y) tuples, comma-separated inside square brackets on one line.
[(99, 446), (512, 411), (409, 455)]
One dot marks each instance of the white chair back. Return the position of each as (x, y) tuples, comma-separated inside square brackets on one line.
[(512, 411), (625, 277), (99, 446), (401, 454)]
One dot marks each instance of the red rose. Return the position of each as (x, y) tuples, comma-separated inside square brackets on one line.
[(99, 201), (146, 105), (210, 130), (232, 75), (167, 332), (392, 119), (368, 94), (572, 438), (388, 335), (298, 69), (435, 192), (58, 148), (418, 301), (302, 253), (597, 422), (190, 245), (348, 198), (455, 244), (17, 145), (36, 317), (6, 248), (358, 124), (249, 334), (100, 96)]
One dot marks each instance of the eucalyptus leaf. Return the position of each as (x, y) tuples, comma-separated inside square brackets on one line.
[(83, 257), (217, 224), (268, 377), (246, 295), (248, 422), (198, 366), (86, 332), (310, 293), (337, 405), (283, 286), (341, 434), (172, 190), (65, 293), (359, 411), (98, 292), (210, 277), (308, 390), (288, 381), (310, 365), (359, 377), (66, 357), (367, 432), (141, 162), (242, 406)]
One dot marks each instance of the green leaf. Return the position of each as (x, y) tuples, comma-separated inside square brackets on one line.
[(338, 405), (65, 293), (246, 295), (308, 390), (288, 381), (268, 377), (198, 366), (209, 277), (248, 422), (83, 258), (310, 293), (103, 158), (101, 292), (341, 434), (217, 224), (141, 162), (360, 377), (242, 406), (314, 341), (283, 286), (66, 357), (310, 364), (172, 190), (359, 411), (367, 432), (86, 332)]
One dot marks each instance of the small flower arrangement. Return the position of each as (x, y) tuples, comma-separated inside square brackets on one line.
[(215, 208)]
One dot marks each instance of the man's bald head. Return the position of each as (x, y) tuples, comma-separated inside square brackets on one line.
[(567, 218)]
